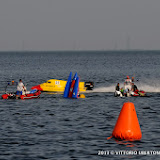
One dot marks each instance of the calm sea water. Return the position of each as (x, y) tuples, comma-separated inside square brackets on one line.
[(56, 128)]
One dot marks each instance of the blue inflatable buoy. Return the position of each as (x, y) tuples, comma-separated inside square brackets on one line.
[(68, 85), (76, 89)]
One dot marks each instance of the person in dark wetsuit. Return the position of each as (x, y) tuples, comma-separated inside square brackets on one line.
[(134, 87), (117, 87), (118, 91)]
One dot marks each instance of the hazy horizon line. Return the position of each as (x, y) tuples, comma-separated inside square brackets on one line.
[(87, 50)]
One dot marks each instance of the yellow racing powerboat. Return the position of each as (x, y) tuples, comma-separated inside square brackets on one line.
[(55, 85)]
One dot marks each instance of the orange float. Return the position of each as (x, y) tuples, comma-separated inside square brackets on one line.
[(127, 126)]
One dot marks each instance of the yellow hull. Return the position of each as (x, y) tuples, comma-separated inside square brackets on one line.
[(55, 85)]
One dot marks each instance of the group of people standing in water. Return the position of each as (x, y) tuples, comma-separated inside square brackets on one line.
[(129, 86)]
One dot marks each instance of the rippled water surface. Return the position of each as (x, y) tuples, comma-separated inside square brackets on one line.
[(52, 127)]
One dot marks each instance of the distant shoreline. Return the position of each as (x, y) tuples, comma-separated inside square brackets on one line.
[(55, 51)]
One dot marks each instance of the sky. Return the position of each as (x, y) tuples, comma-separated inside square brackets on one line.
[(46, 25)]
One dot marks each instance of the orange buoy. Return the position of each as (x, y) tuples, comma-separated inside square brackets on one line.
[(127, 126)]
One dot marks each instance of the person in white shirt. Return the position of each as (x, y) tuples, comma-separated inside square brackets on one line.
[(20, 88), (128, 83)]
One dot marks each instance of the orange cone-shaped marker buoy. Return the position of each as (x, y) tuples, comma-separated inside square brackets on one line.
[(127, 126)]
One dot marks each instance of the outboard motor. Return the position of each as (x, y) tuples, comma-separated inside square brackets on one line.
[(89, 85)]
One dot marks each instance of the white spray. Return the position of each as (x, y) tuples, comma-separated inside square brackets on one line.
[(141, 86)]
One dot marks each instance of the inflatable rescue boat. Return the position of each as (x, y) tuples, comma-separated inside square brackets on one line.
[(25, 94), (29, 95)]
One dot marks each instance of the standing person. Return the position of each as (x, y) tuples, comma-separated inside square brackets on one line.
[(128, 80), (128, 83), (20, 88), (134, 87), (117, 87)]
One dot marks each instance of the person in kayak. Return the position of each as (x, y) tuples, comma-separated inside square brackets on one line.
[(20, 88)]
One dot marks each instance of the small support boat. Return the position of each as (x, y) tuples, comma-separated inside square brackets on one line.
[(129, 90), (29, 95), (25, 94)]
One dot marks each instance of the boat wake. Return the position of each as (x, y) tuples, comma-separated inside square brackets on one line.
[(145, 87), (104, 89), (149, 88)]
